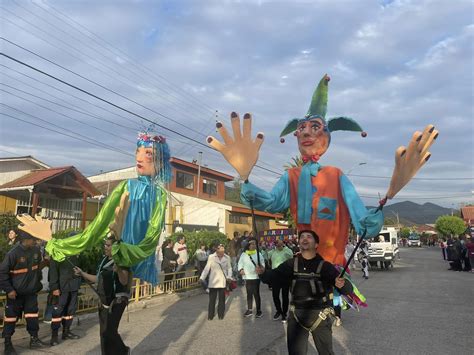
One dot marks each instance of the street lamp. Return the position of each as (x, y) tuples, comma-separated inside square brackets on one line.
[(355, 166)]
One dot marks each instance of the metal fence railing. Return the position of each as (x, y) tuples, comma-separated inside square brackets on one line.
[(88, 300)]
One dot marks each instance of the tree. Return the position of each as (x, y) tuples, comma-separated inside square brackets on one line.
[(389, 221), (194, 239), (450, 225), (294, 163), (405, 232), (233, 193)]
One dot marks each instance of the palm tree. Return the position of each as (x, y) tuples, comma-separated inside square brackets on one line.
[(294, 163)]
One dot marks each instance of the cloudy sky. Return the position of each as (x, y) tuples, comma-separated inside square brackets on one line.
[(395, 66)]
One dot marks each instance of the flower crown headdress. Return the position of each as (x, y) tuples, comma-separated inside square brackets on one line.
[(145, 139)]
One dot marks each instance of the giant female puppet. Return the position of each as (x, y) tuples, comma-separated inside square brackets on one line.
[(134, 213), (320, 197)]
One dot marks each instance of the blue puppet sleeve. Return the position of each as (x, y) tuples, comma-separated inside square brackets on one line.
[(275, 201), (362, 219)]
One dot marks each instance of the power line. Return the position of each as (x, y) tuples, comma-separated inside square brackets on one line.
[(130, 59), (74, 96), (417, 197), (118, 74), (62, 133), (86, 44), (64, 129), (59, 113), (104, 87), (418, 178), (114, 105)]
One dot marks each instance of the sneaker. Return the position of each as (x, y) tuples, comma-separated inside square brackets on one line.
[(277, 316), (283, 319), (248, 313), (259, 314), (338, 322)]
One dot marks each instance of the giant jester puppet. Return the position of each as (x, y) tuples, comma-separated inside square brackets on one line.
[(134, 213), (320, 198)]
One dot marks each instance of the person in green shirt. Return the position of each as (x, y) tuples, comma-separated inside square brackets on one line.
[(277, 256)]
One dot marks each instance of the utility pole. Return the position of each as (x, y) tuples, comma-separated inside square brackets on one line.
[(398, 219), (199, 174)]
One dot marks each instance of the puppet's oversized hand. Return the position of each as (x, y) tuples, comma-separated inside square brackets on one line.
[(409, 160), (241, 151), (116, 227), (38, 227)]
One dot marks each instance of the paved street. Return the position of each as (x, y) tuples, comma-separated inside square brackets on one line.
[(417, 308)]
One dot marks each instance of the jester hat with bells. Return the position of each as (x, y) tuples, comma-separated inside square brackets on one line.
[(317, 109)]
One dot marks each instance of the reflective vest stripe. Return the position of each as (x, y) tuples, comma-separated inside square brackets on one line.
[(9, 319), (24, 270), (31, 315), (55, 320), (67, 317), (19, 271)]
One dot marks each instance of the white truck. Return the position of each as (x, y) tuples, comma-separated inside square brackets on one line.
[(384, 248)]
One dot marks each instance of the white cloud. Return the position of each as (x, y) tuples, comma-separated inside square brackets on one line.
[(394, 67)]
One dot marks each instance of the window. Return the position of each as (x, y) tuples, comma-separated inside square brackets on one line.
[(209, 187), (238, 219), (184, 181)]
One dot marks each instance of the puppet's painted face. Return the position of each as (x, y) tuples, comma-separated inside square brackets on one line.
[(145, 161), (313, 139)]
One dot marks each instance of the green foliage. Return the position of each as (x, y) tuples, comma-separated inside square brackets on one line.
[(405, 232), (294, 163), (450, 225), (389, 221), (89, 259), (233, 193), (289, 219), (195, 239), (7, 222)]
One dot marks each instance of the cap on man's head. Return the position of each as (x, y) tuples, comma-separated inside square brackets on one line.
[(313, 233), (24, 235)]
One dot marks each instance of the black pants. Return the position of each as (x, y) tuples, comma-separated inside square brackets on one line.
[(64, 310), (213, 293), (284, 288), (298, 336), (111, 342), (168, 271), (180, 271), (253, 292), (27, 304)]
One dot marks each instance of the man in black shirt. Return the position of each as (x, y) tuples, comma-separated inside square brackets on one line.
[(20, 278), (312, 282), (113, 287)]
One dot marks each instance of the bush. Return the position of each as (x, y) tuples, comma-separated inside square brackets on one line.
[(7, 222), (195, 239), (89, 259)]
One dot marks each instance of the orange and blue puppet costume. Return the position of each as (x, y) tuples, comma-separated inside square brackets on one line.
[(320, 198)]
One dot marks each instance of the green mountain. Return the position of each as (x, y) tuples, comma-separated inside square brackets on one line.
[(411, 213)]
